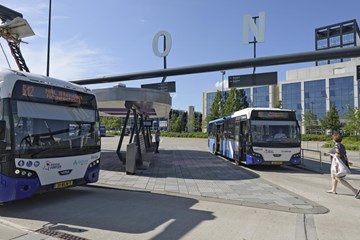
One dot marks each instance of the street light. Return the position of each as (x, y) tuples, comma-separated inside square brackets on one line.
[(222, 92), (48, 45)]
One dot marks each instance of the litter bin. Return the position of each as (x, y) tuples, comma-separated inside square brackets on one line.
[(131, 151)]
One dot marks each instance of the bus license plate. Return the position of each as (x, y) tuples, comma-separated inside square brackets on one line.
[(276, 162), (63, 184)]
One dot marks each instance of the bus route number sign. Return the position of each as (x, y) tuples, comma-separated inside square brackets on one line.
[(49, 93)]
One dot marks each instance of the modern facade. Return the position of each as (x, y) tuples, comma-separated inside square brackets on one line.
[(340, 35), (317, 88), (313, 88), (331, 82)]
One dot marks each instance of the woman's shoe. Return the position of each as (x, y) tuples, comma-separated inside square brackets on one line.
[(332, 192), (357, 196)]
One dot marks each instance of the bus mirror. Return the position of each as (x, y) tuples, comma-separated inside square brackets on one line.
[(2, 130)]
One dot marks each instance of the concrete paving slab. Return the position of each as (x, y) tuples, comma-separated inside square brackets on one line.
[(206, 175)]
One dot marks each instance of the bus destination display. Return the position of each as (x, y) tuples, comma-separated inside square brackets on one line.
[(273, 115), (49, 93), (36, 92)]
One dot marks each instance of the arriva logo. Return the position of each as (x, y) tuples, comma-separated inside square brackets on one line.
[(81, 162)]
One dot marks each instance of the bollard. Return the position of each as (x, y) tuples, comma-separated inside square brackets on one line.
[(131, 151)]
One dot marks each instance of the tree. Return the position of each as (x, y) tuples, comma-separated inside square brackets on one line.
[(175, 123), (232, 103), (241, 95), (215, 110), (193, 124), (310, 120), (331, 120), (111, 122), (353, 121), (178, 124)]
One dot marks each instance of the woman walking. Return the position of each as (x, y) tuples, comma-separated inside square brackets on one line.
[(339, 152), (157, 140)]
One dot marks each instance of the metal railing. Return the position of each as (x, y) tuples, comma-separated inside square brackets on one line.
[(311, 150)]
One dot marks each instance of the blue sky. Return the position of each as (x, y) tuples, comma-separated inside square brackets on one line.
[(109, 37)]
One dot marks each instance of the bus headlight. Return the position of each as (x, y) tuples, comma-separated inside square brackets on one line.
[(94, 163), (25, 173), (255, 154)]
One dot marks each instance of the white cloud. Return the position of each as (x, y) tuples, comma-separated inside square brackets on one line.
[(69, 59), (218, 84)]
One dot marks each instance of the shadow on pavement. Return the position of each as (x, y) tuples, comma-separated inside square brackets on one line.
[(111, 210), (185, 164)]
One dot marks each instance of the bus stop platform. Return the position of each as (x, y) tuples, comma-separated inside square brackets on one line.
[(187, 193), (185, 169)]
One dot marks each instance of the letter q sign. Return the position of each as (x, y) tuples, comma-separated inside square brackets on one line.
[(167, 43)]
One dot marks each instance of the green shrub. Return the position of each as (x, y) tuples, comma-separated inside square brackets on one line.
[(350, 143), (185, 134), (315, 137)]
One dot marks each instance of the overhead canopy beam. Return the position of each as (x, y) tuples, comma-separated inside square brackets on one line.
[(228, 65)]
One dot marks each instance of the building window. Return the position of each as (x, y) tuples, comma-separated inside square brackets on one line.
[(342, 94), (322, 43), (315, 97), (291, 97), (248, 95), (261, 96), (334, 41), (359, 93), (209, 101), (335, 61), (348, 38), (323, 62)]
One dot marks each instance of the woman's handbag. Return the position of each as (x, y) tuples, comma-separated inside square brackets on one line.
[(338, 168)]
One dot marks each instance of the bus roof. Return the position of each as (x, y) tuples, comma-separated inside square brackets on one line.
[(8, 78), (247, 112)]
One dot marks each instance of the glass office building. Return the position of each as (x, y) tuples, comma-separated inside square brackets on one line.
[(315, 89)]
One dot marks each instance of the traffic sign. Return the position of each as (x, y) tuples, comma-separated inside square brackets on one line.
[(165, 86), (248, 80)]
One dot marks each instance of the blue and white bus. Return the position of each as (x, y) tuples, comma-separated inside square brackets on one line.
[(257, 136), (49, 135)]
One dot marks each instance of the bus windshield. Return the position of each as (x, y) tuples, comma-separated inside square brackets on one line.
[(275, 132), (47, 130)]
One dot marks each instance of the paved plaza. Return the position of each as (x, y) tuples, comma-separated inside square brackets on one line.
[(185, 192), (185, 168)]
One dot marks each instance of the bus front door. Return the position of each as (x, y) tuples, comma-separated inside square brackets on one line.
[(218, 138), (244, 134)]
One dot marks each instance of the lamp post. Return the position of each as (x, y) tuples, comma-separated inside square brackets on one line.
[(48, 47), (222, 92)]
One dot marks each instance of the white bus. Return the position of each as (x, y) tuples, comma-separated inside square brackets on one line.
[(49, 135), (257, 136)]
